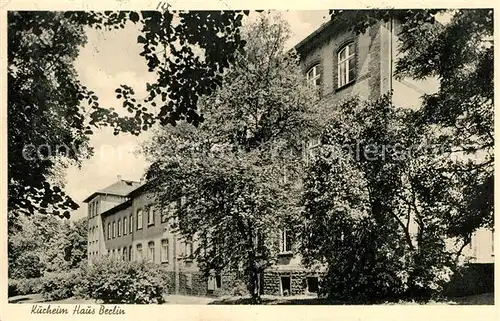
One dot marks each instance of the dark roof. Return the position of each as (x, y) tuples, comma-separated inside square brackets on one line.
[(118, 207), (140, 189), (120, 188)]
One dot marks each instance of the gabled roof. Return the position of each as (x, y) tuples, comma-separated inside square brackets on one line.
[(120, 188)]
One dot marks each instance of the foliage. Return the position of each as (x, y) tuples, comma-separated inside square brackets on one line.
[(27, 265), (13, 289), (460, 54), (43, 108), (406, 187), (28, 242), (229, 173), (48, 106), (41, 243), (377, 204), (70, 250), (117, 281), (24, 286), (61, 285)]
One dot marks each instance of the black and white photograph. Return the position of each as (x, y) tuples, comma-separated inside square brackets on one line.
[(169, 156)]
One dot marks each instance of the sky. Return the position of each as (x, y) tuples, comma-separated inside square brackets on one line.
[(111, 58)]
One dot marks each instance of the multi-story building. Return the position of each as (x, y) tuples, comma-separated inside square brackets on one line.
[(124, 222)]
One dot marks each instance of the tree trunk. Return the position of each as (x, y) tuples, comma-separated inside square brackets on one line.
[(253, 280)]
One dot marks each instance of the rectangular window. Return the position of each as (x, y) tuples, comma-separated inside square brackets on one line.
[(97, 208), (109, 231), (125, 254), (189, 251), (312, 284), (139, 219), (131, 223), (346, 65), (285, 285), (164, 254), (114, 229), (314, 76), (130, 253), (151, 254), (286, 241), (125, 226), (119, 228), (139, 251), (218, 281), (214, 282), (151, 215)]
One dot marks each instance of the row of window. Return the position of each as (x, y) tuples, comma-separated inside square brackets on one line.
[(285, 241), (94, 243), (124, 227), (346, 68), (94, 208), (93, 232), (126, 253)]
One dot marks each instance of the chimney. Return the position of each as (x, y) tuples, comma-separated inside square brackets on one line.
[(142, 180), (119, 177)]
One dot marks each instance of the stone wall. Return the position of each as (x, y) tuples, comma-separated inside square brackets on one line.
[(298, 281)]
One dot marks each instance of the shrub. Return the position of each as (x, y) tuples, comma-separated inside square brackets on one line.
[(24, 286), (30, 286), (239, 289), (27, 265), (13, 287), (116, 281), (61, 285)]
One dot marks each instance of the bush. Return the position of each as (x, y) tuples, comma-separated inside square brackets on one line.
[(30, 286), (239, 289), (116, 281), (13, 287), (24, 286), (61, 285), (27, 265)]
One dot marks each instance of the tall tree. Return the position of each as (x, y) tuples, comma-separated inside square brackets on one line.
[(376, 210), (51, 114), (426, 174), (69, 249), (234, 174), (459, 54)]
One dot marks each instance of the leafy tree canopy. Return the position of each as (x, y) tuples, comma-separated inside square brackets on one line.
[(48, 106), (427, 174), (230, 172), (460, 55)]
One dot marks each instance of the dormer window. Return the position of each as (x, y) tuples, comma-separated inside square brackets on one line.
[(346, 64), (314, 76)]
